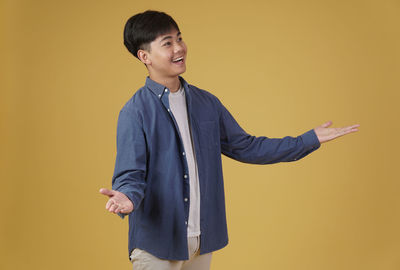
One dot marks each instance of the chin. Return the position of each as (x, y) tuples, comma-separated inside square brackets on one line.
[(182, 72), (179, 72)]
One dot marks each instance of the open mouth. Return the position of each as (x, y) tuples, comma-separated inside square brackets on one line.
[(178, 60)]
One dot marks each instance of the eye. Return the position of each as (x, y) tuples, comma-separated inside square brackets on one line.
[(180, 38), (167, 43)]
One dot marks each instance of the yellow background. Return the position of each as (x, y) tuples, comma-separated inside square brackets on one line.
[(280, 67)]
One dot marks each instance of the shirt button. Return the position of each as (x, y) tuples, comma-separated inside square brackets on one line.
[(186, 199), (159, 95), (185, 222), (185, 176), (166, 90), (168, 110), (183, 153)]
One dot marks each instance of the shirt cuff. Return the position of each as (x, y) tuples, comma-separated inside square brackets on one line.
[(135, 201), (310, 140)]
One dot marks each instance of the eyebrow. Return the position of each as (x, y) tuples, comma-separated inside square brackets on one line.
[(167, 37)]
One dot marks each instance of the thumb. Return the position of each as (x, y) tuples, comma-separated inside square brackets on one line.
[(326, 124), (107, 192)]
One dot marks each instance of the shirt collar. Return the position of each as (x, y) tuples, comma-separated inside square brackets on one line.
[(158, 89)]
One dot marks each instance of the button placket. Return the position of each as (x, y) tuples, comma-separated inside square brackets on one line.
[(185, 173)]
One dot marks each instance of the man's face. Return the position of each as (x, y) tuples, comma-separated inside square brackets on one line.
[(167, 55)]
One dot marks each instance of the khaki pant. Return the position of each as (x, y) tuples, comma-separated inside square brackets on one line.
[(143, 260)]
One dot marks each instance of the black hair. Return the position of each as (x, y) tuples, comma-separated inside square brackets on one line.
[(143, 28)]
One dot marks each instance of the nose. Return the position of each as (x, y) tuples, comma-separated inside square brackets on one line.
[(179, 47)]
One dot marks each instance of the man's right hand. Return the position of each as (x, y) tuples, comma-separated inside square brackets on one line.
[(118, 202)]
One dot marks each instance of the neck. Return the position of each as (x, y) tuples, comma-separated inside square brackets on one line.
[(172, 83)]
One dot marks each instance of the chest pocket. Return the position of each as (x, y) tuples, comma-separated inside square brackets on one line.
[(209, 135)]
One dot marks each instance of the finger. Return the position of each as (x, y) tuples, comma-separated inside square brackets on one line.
[(326, 124), (118, 209), (345, 131), (106, 192), (109, 204), (123, 211), (355, 126), (113, 207), (351, 128)]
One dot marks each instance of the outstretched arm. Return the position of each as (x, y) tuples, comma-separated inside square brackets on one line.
[(325, 133), (239, 145)]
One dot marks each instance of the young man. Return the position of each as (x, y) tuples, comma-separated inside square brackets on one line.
[(168, 170)]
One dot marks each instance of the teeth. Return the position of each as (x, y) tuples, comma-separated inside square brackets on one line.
[(176, 60)]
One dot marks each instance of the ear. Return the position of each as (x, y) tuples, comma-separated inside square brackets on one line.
[(144, 56)]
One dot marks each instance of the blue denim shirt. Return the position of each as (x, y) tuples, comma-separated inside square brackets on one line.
[(152, 171)]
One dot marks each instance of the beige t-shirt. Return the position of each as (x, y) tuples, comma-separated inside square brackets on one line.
[(177, 103)]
